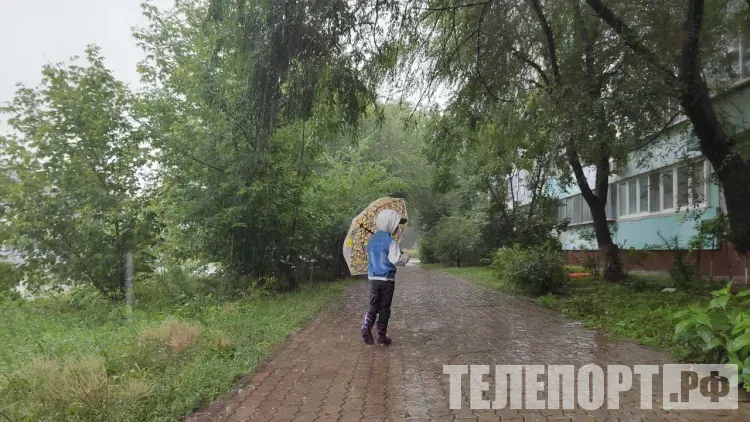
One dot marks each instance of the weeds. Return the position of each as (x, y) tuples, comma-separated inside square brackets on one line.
[(58, 362), (177, 335)]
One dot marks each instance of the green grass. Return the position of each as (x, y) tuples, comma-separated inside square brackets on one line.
[(211, 345), (639, 312), (483, 276)]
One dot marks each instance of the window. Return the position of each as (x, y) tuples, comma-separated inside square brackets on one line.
[(667, 183), (561, 210), (682, 186), (643, 194), (585, 211), (576, 210), (698, 184), (622, 195), (655, 192), (632, 195), (612, 201)]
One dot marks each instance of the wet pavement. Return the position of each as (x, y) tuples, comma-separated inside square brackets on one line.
[(325, 373)]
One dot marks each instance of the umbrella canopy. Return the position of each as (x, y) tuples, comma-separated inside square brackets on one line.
[(362, 229)]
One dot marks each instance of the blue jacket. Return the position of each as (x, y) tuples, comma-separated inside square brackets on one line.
[(383, 252), (379, 267)]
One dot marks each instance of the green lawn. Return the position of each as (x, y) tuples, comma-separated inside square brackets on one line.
[(639, 312), (70, 358)]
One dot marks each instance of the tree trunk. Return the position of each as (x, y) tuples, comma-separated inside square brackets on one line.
[(597, 203), (613, 269), (715, 143), (732, 171)]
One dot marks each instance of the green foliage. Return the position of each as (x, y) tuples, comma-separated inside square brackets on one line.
[(718, 332), (684, 272), (549, 300), (252, 133), (77, 206), (644, 284), (75, 389), (592, 263), (483, 276), (75, 356), (629, 312), (532, 270), (10, 277), (455, 241)]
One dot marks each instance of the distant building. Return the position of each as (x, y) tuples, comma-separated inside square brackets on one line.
[(665, 184)]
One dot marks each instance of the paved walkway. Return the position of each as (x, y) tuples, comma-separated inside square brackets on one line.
[(325, 373)]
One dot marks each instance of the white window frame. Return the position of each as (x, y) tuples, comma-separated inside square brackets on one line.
[(638, 207), (673, 171), (622, 203), (624, 200), (691, 184)]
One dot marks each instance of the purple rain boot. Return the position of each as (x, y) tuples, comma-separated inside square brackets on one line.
[(382, 330), (367, 328)]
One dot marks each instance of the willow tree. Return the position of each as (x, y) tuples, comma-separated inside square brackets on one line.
[(243, 97), (589, 102)]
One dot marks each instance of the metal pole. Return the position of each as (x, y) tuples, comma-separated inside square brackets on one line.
[(129, 286)]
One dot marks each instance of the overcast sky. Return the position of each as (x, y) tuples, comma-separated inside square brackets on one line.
[(35, 32)]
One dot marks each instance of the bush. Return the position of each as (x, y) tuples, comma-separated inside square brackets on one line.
[(592, 264), (456, 241), (643, 284), (532, 270), (718, 332), (684, 272), (10, 277), (426, 250)]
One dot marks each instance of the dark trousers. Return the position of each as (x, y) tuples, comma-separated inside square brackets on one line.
[(381, 295)]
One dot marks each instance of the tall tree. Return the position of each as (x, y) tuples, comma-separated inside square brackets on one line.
[(244, 97), (682, 64), (498, 54), (78, 205)]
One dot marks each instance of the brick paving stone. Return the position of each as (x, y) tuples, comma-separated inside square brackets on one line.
[(325, 373)]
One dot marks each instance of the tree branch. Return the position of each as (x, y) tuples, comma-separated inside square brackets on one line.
[(460, 6), (574, 160), (630, 38), (526, 59), (690, 70), (549, 37)]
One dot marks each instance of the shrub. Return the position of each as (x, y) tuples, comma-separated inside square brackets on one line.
[(10, 277), (532, 270), (592, 264), (643, 284), (456, 241), (426, 250), (718, 332), (684, 273), (549, 300)]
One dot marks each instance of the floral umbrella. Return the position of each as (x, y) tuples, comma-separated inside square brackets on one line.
[(363, 227)]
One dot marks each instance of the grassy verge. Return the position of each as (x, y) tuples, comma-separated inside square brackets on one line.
[(639, 312), (483, 276), (69, 357)]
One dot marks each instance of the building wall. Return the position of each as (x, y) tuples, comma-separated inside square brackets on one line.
[(720, 263), (676, 146)]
